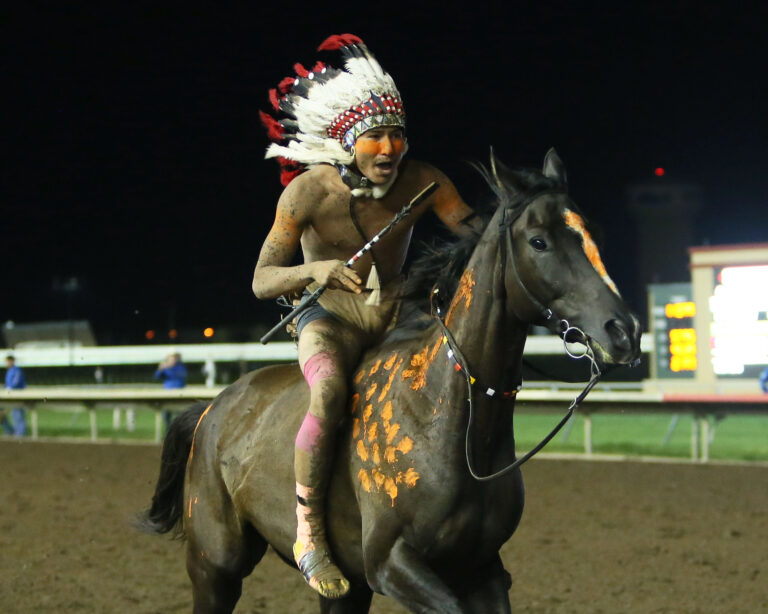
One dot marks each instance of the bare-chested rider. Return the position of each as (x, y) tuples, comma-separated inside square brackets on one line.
[(341, 143)]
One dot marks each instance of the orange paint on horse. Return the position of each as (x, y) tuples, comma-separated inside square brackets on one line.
[(375, 367), (575, 222), (369, 393), (194, 433), (385, 389), (463, 293), (390, 361)]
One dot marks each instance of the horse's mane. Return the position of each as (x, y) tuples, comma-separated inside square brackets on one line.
[(441, 263)]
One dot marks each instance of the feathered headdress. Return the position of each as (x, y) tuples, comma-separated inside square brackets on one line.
[(325, 109)]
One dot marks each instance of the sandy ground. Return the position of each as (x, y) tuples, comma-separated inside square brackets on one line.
[(596, 537)]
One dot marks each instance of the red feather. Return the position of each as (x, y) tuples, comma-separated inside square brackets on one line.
[(337, 41), (300, 70), (286, 84), (318, 67), (274, 99), (275, 131)]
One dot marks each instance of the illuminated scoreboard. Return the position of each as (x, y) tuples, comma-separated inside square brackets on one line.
[(739, 320), (672, 325)]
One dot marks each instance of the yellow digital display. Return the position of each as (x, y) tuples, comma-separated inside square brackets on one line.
[(678, 311), (682, 349)]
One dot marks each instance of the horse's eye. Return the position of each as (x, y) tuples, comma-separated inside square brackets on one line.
[(538, 244)]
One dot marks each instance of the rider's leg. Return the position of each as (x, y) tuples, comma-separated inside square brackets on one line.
[(327, 351)]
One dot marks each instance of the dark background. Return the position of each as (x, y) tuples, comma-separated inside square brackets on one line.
[(134, 152)]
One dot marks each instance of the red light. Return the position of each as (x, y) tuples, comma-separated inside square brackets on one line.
[(150, 334), (208, 332), (659, 172), (173, 333)]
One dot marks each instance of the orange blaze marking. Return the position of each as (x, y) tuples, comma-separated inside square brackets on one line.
[(359, 377), (373, 431), (194, 433), (576, 223), (375, 367), (375, 453), (463, 293), (386, 387), (355, 428), (367, 413), (370, 391), (390, 361), (353, 405), (361, 451), (365, 480)]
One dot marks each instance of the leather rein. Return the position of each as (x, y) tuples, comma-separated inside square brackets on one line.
[(557, 325)]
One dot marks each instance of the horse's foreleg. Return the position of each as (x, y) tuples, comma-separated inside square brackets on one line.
[(357, 601), (404, 576), (487, 592)]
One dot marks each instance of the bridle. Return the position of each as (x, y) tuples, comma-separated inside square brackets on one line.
[(546, 315)]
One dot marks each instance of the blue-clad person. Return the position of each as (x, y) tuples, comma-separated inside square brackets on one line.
[(14, 380), (172, 372), (173, 375), (764, 380)]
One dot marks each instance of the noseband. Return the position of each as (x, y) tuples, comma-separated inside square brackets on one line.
[(558, 326)]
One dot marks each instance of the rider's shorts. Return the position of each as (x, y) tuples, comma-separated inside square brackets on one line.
[(315, 312), (369, 321)]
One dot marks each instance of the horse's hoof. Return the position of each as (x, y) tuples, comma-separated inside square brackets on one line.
[(321, 573)]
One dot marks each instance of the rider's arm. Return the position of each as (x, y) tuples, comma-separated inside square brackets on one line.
[(273, 276), (452, 210)]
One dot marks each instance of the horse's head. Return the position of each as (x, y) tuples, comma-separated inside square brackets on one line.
[(552, 266)]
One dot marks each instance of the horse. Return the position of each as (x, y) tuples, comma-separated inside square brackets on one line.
[(428, 414)]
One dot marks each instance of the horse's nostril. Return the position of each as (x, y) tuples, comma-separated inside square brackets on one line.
[(619, 334)]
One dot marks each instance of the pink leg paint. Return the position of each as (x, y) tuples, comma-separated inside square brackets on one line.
[(319, 366), (310, 432)]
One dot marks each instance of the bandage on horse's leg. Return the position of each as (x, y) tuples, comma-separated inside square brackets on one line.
[(313, 460)]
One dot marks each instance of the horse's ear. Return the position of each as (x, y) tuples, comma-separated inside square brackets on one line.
[(554, 168), (504, 177)]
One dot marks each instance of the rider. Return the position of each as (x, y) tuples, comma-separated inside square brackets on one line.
[(340, 142)]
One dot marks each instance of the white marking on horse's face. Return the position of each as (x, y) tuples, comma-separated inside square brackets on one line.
[(576, 224)]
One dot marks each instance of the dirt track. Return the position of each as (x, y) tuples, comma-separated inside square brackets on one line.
[(595, 538)]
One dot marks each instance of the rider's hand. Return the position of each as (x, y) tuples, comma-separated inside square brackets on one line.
[(334, 275)]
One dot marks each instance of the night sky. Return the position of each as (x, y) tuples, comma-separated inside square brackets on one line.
[(134, 152)]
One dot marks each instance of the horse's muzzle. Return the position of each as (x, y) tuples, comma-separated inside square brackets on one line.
[(624, 339)]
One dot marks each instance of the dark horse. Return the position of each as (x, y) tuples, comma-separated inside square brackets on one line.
[(405, 516)]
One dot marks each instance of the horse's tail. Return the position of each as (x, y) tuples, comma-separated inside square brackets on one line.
[(165, 513)]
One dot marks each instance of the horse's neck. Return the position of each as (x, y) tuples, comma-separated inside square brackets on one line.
[(492, 345)]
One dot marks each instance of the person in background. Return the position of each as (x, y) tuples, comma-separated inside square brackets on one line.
[(764, 380), (174, 375), (14, 380), (172, 372)]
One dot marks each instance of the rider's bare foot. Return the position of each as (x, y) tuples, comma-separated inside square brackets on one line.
[(320, 572)]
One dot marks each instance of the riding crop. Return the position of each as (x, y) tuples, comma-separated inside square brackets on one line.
[(309, 300)]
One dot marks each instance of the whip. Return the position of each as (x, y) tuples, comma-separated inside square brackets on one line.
[(309, 300)]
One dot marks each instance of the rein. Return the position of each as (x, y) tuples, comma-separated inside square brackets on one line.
[(557, 325)]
